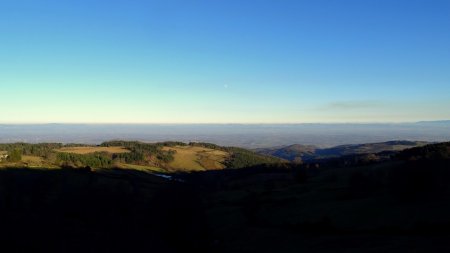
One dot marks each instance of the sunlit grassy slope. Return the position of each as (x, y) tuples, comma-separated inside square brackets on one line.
[(192, 158), (89, 150), (152, 157)]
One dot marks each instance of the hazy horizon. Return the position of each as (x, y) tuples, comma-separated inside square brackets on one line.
[(221, 123), (230, 123), (242, 135)]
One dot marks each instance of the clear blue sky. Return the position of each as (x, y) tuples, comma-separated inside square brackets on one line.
[(248, 61)]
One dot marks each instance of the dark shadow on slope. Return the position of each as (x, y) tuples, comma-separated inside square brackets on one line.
[(108, 211)]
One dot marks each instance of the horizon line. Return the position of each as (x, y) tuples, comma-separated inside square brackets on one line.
[(219, 123)]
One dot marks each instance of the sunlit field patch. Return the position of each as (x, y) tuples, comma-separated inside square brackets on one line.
[(89, 150), (197, 158)]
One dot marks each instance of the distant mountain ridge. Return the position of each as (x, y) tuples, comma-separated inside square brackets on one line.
[(299, 153), (439, 122)]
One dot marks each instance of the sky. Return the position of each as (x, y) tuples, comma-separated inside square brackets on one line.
[(234, 61)]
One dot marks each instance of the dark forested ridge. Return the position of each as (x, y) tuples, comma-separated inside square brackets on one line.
[(398, 202), (299, 153)]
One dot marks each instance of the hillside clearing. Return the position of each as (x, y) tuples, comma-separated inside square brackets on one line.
[(189, 158), (89, 150)]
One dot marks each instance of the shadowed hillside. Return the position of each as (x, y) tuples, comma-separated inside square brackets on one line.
[(400, 204), (299, 153), (104, 211)]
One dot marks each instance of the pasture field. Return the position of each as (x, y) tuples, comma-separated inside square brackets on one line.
[(189, 158), (89, 150)]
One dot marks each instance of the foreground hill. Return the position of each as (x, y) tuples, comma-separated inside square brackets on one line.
[(300, 153), (398, 205)]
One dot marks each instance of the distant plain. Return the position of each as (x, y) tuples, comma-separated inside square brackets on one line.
[(240, 135)]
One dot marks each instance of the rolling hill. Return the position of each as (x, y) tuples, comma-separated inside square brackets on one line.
[(153, 157), (299, 153)]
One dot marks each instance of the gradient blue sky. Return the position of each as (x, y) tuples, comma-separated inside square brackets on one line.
[(234, 61)]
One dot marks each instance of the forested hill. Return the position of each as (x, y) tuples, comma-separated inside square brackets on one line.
[(158, 157)]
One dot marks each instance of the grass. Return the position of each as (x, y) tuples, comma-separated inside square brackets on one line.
[(139, 167), (32, 162), (89, 150), (32, 159), (189, 158)]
